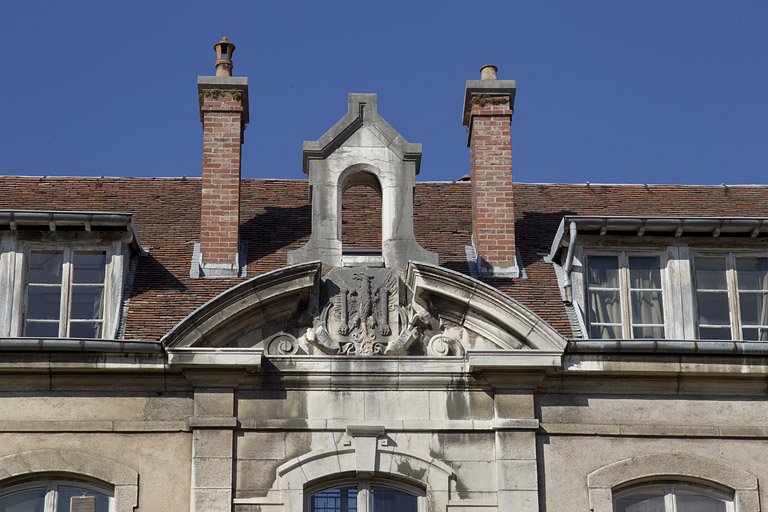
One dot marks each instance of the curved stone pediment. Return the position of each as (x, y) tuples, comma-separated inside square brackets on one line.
[(431, 311)]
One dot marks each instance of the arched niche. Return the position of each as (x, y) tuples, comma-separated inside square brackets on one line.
[(362, 141)]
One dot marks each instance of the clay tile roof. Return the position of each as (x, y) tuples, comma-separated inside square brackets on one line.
[(275, 217)]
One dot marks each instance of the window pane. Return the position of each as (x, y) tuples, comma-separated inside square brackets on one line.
[(89, 267), (714, 333), (85, 330), (647, 308), (604, 306), (754, 308), (343, 499), (755, 333), (752, 273), (710, 273), (603, 271), (713, 308), (87, 302), (644, 500), (41, 329), (83, 500), (385, 499), (604, 332), (692, 501), (656, 333), (31, 500), (43, 302), (46, 267), (644, 272)]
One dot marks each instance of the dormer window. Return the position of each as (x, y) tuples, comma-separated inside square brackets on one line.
[(65, 293), (62, 273), (656, 278)]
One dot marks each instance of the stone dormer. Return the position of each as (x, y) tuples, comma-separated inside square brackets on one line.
[(362, 149)]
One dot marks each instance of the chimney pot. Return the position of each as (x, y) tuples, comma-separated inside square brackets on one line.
[(488, 72), (224, 50)]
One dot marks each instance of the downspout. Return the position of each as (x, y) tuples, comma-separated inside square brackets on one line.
[(569, 264)]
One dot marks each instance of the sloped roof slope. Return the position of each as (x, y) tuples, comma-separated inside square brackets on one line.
[(275, 218)]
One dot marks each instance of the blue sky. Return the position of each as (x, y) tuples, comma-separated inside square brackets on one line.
[(610, 91)]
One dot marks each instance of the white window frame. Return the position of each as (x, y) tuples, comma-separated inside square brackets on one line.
[(52, 494), (734, 309), (670, 489), (624, 287), (364, 492)]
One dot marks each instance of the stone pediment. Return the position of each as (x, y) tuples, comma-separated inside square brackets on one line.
[(365, 312)]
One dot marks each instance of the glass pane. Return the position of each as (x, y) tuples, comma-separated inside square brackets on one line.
[(87, 302), (43, 302), (603, 271), (647, 308), (605, 332), (30, 500), (692, 501), (752, 273), (710, 273), (754, 308), (46, 267), (41, 329), (655, 333), (755, 334), (342, 499), (385, 499), (66, 503), (713, 308), (85, 330), (89, 267), (604, 307), (643, 500), (644, 272), (714, 333)]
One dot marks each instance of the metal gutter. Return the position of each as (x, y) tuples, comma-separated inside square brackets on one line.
[(50, 220), (658, 226), (78, 345), (667, 347)]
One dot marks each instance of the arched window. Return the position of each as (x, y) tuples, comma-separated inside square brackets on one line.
[(672, 498), (55, 496), (367, 496)]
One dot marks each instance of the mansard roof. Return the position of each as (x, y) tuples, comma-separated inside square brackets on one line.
[(275, 218)]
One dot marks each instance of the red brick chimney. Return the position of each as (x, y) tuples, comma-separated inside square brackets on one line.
[(488, 107), (224, 113)]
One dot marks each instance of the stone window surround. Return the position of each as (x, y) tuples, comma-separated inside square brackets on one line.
[(71, 464), (366, 455), (672, 468)]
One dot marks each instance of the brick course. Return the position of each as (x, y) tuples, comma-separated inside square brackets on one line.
[(220, 213), (493, 211)]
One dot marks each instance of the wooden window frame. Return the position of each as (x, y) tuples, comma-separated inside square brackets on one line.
[(625, 289)]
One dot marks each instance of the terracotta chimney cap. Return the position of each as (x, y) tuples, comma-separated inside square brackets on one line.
[(488, 72), (224, 50)]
